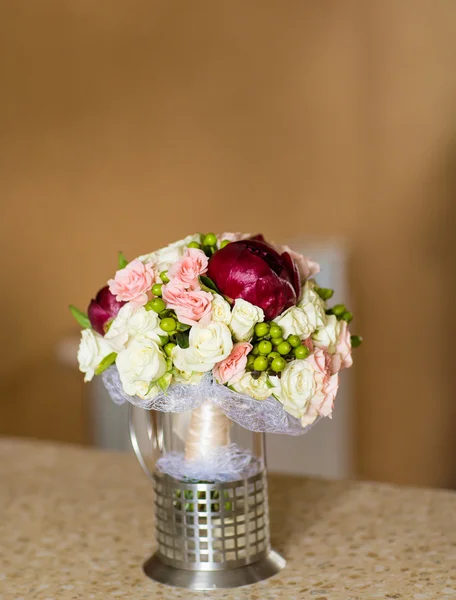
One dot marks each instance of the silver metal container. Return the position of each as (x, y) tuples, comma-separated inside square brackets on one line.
[(210, 534)]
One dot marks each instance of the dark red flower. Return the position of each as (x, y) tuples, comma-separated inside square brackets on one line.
[(254, 271), (102, 309)]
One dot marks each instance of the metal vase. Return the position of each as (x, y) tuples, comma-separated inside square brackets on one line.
[(210, 535)]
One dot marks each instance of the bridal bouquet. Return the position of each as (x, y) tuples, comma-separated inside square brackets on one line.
[(230, 317)]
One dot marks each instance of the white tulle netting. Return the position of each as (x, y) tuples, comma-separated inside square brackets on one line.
[(255, 415), (225, 463)]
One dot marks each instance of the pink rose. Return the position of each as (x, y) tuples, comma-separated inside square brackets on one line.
[(306, 266), (322, 402), (342, 357), (187, 270), (308, 343), (132, 283), (231, 369), (191, 306)]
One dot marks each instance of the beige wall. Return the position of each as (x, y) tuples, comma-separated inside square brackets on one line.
[(129, 124)]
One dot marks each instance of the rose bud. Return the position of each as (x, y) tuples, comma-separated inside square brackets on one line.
[(103, 309), (254, 271)]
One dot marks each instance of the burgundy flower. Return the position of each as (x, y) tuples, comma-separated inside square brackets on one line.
[(254, 271), (102, 309)]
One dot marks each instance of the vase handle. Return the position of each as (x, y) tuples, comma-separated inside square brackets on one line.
[(135, 443)]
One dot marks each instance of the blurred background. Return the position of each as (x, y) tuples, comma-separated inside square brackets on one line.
[(330, 125)]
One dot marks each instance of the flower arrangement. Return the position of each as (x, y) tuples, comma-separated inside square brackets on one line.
[(230, 309)]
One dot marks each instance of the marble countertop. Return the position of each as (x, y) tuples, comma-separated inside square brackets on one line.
[(76, 523)]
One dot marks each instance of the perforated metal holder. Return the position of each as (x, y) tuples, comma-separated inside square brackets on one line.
[(212, 535)]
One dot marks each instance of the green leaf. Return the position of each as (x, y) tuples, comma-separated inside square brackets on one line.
[(123, 262), (182, 327), (208, 285), (356, 341), (106, 362), (80, 317), (324, 293), (182, 339)]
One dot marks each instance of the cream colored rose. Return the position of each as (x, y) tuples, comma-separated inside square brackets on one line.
[(260, 388), (165, 257), (298, 386), (296, 321), (308, 389), (92, 349), (244, 317), (141, 363), (309, 297), (146, 391), (187, 378), (208, 345), (326, 337), (133, 324), (304, 319), (221, 310)]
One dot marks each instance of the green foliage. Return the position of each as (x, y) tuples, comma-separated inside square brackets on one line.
[(106, 362), (123, 262), (81, 318)]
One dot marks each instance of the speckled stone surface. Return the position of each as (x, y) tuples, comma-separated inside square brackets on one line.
[(78, 523)]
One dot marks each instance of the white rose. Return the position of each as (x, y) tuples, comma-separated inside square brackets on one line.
[(133, 323), (326, 337), (260, 388), (301, 384), (244, 317), (92, 349), (187, 378), (221, 310), (141, 363), (304, 319), (296, 321), (207, 346), (310, 296), (146, 391), (165, 257)]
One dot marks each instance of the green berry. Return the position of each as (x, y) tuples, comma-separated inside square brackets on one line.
[(276, 341), (194, 245), (164, 276), (168, 348), (294, 341), (283, 348), (273, 355), (261, 329), (254, 351), (264, 347), (261, 363), (347, 316), (356, 341), (278, 364), (157, 289), (250, 362), (224, 243), (301, 352), (168, 324), (338, 310), (210, 239), (324, 293), (275, 331), (156, 304)]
